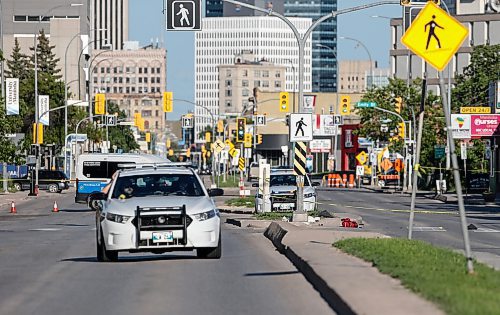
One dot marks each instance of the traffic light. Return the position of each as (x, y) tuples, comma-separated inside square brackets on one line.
[(220, 126), (398, 104), (416, 2), (240, 133), (148, 137), (345, 105), (137, 119), (208, 137), (168, 144), (284, 102), (39, 134), (168, 98), (188, 152), (287, 120), (99, 104), (170, 152), (401, 130), (259, 139), (405, 2)]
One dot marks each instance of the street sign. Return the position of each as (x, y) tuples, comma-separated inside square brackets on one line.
[(463, 150), (241, 164), (386, 164), (475, 110), (43, 109), (301, 127), (362, 157), (111, 120), (260, 120), (187, 122), (435, 36), (366, 104), (360, 170), (183, 15), (337, 120), (439, 151), (299, 162), (229, 144), (398, 165), (219, 146)]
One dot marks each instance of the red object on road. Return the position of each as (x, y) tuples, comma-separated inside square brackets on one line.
[(13, 207), (346, 222), (55, 208)]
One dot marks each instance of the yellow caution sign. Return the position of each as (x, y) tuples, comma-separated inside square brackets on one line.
[(241, 164), (435, 36), (229, 144), (362, 158)]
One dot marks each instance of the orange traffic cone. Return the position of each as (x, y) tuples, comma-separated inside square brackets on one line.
[(55, 209), (13, 207)]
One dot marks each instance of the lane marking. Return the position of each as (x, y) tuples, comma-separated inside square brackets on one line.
[(428, 229), (486, 230), (45, 229), (388, 210)]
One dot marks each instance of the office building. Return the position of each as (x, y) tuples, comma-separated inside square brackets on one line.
[(484, 29), (109, 23), (66, 26), (324, 60), (135, 80), (222, 38), (356, 76)]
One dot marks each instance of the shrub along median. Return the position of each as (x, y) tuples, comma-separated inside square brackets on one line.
[(437, 274)]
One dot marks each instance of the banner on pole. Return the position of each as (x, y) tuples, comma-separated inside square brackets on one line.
[(43, 109), (12, 96)]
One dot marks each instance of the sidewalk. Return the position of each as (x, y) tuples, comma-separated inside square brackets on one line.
[(348, 284)]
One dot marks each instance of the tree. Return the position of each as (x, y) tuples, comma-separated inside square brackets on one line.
[(18, 65), (121, 136), (472, 89), (7, 147), (373, 119)]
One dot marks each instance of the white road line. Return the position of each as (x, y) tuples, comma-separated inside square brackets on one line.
[(429, 229), (45, 229), (486, 230)]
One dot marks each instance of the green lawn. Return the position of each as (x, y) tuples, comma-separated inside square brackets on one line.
[(241, 202), (279, 215), (230, 182), (437, 274)]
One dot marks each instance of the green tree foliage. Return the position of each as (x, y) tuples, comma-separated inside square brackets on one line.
[(121, 136), (472, 90), (18, 65), (373, 119)]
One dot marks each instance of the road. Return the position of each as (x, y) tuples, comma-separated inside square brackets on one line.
[(48, 266), (389, 214)]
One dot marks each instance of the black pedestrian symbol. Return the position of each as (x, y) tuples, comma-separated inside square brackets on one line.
[(183, 12), (432, 32), (299, 125)]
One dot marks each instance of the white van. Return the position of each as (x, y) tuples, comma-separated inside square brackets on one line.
[(94, 170)]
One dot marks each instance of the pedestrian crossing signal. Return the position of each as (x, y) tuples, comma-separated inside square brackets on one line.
[(345, 105), (284, 102)]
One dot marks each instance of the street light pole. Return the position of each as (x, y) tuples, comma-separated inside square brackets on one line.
[(369, 57), (35, 49)]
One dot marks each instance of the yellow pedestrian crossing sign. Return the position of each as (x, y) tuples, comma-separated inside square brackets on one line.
[(435, 36)]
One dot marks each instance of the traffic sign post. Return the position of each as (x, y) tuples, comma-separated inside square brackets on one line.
[(183, 15), (301, 127)]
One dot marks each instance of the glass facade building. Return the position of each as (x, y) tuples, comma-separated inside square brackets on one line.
[(324, 60)]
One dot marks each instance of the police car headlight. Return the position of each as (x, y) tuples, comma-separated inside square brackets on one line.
[(206, 215), (309, 195), (118, 218)]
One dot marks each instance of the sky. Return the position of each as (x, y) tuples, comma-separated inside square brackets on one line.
[(147, 23)]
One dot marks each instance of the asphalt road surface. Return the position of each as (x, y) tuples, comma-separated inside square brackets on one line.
[(48, 266), (389, 214)]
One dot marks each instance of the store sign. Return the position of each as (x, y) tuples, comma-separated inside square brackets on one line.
[(324, 125), (461, 126), (320, 145), (484, 125)]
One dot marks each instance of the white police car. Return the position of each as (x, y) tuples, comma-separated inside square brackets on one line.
[(158, 209), (283, 192)]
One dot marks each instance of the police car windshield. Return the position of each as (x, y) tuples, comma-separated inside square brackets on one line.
[(286, 180), (157, 185)]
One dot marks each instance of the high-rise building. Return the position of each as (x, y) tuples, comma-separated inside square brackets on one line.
[(66, 25), (222, 38), (135, 79), (109, 23), (324, 60)]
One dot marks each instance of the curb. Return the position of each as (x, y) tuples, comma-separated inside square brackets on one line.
[(275, 234), (240, 210)]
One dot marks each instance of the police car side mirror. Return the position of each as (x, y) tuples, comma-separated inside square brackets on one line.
[(215, 192)]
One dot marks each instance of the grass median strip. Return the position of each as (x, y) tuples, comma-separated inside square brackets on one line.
[(437, 274), (248, 202)]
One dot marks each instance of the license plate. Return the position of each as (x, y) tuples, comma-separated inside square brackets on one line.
[(163, 237), (286, 206)]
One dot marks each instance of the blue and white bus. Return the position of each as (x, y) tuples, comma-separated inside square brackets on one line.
[(94, 170)]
